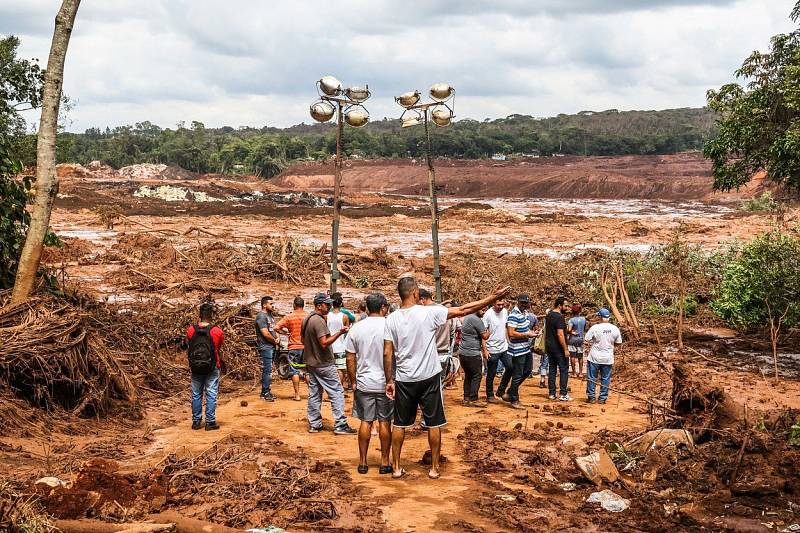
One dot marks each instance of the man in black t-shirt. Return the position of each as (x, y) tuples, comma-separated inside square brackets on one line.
[(556, 348)]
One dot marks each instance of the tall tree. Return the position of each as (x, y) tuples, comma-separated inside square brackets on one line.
[(46, 180), (759, 124)]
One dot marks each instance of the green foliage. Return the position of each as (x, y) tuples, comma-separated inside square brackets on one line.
[(20, 87), (361, 282), (794, 434), (765, 202), (13, 217), (759, 124), (267, 151), (761, 281)]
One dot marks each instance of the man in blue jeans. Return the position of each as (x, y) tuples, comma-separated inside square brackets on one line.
[(603, 338), (266, 340), (495, 320), (518, 329), (205, 361)]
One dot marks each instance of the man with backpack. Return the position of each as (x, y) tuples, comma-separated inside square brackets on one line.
[(322, 374), (266, 341), (205, 342)]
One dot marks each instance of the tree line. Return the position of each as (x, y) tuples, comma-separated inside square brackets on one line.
[(267, 151)]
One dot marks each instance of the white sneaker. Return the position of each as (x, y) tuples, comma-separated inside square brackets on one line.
[(566, 398)]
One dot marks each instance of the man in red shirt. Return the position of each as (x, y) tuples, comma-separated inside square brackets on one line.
[(205, 342)]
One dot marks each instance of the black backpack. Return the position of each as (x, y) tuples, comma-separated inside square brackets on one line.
[(202, 356)]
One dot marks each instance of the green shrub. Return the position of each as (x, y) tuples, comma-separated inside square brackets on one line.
[(765, 202), (761, 282)]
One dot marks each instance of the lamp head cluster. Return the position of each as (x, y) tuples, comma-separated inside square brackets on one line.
[(331, 90), (441, 111)]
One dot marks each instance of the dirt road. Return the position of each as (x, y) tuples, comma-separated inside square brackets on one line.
[(414, 503)]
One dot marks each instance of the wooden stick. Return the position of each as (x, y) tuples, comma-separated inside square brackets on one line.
[(739, 457)]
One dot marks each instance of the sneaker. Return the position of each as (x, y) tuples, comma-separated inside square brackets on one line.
[(475, 403), (211, 426), (494, 399), (590, 400), (542, 384), (601, 401), (551, 397), (565, 398), (506, 398), (347, 430), (517, 405), (268, 398), (315, 430), (197, 425)]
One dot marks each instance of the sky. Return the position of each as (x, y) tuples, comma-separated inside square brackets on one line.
[(255, 63)]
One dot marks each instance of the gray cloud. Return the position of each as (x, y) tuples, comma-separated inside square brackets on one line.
[(243, 62)]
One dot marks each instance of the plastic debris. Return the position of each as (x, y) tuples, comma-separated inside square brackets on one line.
[(268, 529), (608, 500), (598, 466)]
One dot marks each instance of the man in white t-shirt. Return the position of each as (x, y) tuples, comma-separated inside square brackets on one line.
[(603, 337), (497, 345), (410, 340), (364, 348)]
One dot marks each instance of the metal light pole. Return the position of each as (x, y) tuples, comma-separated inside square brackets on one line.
[(441, 114), (346, 105)]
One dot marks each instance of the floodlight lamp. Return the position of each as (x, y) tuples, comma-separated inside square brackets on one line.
[(356, 116), (408, 99), (442, 116), (357, 94), (441, 91), (330, 86), (322, 111), (413, 120)]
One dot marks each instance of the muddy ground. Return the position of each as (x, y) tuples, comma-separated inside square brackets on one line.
[(506, 470)]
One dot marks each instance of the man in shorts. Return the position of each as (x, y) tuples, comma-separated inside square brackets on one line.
[(337, 320), (410, 341), (364, 348), (291, 325), (576, 329)]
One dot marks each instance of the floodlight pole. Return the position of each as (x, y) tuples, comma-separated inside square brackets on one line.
[(437, 273), (337, 192)]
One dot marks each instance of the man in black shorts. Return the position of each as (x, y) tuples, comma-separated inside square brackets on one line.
[(410, 340)]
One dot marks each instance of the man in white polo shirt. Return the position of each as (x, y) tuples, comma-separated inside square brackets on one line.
[(364, 348), (410, 340)]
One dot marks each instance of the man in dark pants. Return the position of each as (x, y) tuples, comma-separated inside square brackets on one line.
[(266, 340), (520, 334), (557, 351), (472, 354), (497, 345)]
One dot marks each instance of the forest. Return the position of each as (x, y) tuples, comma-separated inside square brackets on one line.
[(267, 151)]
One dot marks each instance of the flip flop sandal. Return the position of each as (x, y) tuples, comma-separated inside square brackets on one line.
[(400, 473), (386, 469), (363, 469), (433, 475)]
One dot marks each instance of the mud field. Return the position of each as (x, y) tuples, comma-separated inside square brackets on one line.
[(143, 245)]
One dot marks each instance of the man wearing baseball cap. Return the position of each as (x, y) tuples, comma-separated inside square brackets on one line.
[(603, 337), (321, 368)]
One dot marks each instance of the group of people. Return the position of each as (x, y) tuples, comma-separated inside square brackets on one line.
[(398, 359)]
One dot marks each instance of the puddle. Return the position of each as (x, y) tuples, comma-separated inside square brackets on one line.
[(598, 208)]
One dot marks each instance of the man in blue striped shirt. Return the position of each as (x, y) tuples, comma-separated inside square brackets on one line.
[(518, 328)]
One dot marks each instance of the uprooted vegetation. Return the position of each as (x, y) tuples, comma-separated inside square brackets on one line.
[(240, 482), (706, 463), (75, 357)]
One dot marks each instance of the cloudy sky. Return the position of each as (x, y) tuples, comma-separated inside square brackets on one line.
[(242, 62)]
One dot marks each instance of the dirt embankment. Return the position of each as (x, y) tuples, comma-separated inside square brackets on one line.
[(664, 177)]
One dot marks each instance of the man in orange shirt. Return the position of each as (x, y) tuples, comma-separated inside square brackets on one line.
[(292, 324)]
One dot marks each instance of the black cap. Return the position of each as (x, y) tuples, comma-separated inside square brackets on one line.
[(322, 298), (524, 298)]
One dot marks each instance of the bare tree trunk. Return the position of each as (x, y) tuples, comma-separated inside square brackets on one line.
[(46, 179)]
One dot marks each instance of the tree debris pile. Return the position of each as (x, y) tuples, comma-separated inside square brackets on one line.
[(21, 513), (726, 470), (51, 357), (171, 265), (240, 482)]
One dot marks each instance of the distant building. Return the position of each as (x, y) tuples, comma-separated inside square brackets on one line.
[(499, 157)]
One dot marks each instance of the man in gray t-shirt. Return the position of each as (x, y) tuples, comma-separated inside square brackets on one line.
[(472, 355)]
